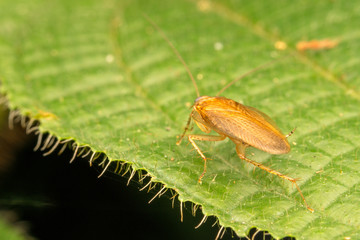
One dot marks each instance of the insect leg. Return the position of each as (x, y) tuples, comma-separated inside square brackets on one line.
[(203, 138), (185, 130), (240, 149)]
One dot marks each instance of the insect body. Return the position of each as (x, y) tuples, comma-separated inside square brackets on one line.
[(245, 126)]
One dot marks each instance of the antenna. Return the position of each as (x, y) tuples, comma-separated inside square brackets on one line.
[(250, 72), (174, 50)]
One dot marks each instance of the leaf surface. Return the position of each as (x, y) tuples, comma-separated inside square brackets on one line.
[(99, 73)]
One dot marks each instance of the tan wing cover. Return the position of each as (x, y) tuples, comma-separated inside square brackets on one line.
[(241, 123)]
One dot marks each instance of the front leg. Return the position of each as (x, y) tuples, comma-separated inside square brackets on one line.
[(193, 137)]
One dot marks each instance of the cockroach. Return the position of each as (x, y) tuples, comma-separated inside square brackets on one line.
[(316, 44), (245, 126)]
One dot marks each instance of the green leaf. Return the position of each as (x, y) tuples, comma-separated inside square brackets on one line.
[(10, 232), (97, 72)]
